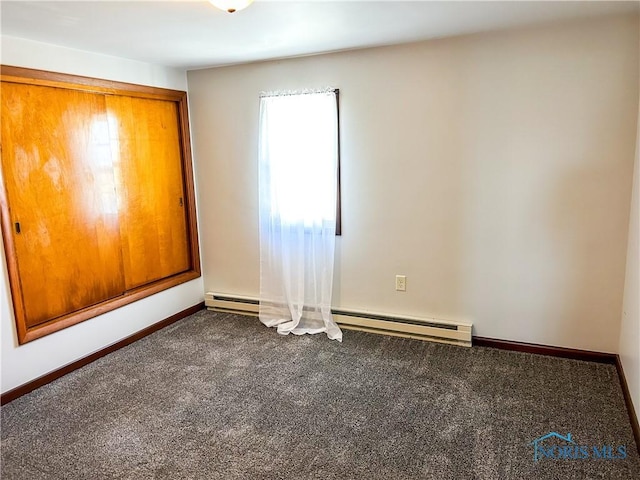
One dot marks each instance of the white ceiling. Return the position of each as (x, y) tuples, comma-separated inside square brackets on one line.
[(194, 34)]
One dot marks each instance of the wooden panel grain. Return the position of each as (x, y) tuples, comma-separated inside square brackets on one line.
[(59, 184), (148, 170)]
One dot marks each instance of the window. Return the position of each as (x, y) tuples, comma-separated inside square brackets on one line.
[(299, 152)]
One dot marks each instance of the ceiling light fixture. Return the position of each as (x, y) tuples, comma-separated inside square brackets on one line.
[(231, 6)]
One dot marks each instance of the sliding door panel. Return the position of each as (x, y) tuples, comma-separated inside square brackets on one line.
[(60, 186), (148, 167)]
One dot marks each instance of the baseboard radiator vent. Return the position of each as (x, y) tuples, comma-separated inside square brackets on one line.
[(456, 333)]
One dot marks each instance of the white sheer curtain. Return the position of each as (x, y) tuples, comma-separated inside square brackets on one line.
[(298, 162)]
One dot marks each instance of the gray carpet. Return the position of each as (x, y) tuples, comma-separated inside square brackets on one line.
[(219, 396)]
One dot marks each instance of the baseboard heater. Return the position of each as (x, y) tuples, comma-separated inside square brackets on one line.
[(444, 331)]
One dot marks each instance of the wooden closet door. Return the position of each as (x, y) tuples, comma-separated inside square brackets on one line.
[(57, 169), (150, 181)]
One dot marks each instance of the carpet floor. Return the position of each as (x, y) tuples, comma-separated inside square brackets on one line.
[(219, 396)]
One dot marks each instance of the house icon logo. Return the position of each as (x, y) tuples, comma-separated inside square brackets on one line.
[(564, 447), (538, 450)]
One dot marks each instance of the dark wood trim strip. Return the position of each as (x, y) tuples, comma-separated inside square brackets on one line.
[(633, 418), (562, 352), (51, 376), (339, 188)]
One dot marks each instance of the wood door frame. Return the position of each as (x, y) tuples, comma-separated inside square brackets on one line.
[(28, 76)]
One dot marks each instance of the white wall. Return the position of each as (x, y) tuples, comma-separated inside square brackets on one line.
[(629, 349), (493, 170), (21, 364)]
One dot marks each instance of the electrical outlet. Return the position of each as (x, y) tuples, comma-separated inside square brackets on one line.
[(401, 283)]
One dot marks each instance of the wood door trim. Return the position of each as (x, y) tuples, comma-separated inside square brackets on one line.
[(58, 323), (11, 259), (45, 78), (189, 183), (60, 372)]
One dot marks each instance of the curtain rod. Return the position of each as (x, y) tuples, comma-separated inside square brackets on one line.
[(287, 93)]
